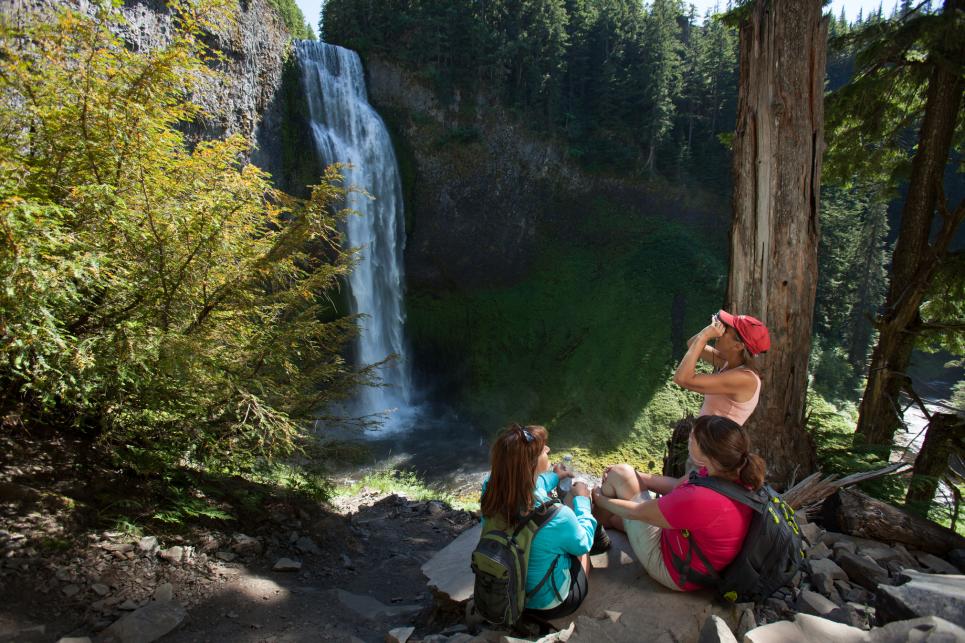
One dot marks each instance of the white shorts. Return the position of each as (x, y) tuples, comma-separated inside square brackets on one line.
[(645, 540)]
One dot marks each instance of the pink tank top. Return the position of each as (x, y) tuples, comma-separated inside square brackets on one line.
[(716, 404)]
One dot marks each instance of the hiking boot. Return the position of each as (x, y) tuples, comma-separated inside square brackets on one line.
[(601, 541)]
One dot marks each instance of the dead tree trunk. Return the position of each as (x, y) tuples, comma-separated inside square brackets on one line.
[(915, 259), (857, 514), (944, 436), (774, 235)]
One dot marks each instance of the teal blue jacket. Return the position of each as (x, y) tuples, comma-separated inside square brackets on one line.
[(569, 533)]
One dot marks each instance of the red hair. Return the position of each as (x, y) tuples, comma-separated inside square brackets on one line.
[(513, 460)]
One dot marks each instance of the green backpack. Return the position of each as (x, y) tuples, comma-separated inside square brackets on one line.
[(500, 562)]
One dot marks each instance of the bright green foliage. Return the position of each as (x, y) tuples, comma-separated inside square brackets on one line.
[(852, 261), (871, 122), (604, 74), (167, 298), (294, 19), (943, 311)]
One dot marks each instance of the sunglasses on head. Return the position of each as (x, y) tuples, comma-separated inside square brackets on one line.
[(526, 434)]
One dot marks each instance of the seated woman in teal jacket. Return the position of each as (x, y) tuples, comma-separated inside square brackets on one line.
[(521, 480)]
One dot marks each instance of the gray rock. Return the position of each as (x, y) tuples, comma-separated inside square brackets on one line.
[(930, 629), (399, 635), (307, 546), (101, 589), (715, 630), (812, 533), (957, 557), (146, 624), (819, 551), (813, 603), (127, 606), (226, 556), (164, 592), (863, 571), (829, 568), (173, 555), (904, 557), (612, 615), (922, 595), (70, 590), (843, 545), (437, 509), (148, 545), (449, 572), (935, 565), (745, 622), (806, 629), (74, 639), (881, 555), (245, 545), (823, 583), (286, 565), (860, 615), (369, 608)]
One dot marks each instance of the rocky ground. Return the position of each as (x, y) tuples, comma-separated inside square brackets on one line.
[(351, 570)]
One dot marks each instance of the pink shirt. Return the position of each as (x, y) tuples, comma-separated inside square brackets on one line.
[(716, 404), (716, 522)]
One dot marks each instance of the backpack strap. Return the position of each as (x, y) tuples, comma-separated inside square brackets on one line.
[(539, 517), (729, 489)]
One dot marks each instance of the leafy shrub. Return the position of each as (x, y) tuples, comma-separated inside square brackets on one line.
[(167, 298)]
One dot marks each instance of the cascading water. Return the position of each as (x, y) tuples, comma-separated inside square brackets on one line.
[(347, 130)]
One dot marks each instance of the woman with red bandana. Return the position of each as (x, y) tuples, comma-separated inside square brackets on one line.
[(733, 389)]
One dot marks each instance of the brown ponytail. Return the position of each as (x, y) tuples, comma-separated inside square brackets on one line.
[(727, 444)]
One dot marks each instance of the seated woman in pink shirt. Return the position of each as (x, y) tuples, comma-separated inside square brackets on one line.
[(715, 522), (734, 387)]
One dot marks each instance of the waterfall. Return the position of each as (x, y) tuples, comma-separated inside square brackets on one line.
[(347, 130)]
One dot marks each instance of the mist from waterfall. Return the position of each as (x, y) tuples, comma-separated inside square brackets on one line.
[(347, 130)]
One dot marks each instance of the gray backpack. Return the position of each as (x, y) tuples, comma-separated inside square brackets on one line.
[(500, 562), (772, 553)]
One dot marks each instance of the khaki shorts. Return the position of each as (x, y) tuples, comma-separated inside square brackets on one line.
[(645, 540)]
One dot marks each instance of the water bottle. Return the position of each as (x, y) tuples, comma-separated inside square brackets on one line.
[(567, 483)]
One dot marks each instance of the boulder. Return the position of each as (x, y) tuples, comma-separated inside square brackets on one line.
[(811, 532), (843, 545), (819, 551), (829, 568), (881, 555), (957, 557), (307, 546), (823, 583), (806, 629), (148, 545), (146, 624), (922, 595), (399, 635), (173, 555), (746, 622), (449, 572), (245, 545), (935, 565), (286, 565), (931, 629), (863, 571), (813, 603), (715, 630)]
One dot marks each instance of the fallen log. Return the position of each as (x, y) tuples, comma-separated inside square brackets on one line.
[(857, 514), (809, 493)]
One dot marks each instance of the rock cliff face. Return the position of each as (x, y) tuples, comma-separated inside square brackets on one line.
[(482, 188), (253, 49)]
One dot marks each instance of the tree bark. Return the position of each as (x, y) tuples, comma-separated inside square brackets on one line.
[(857, 514), (915, 259), (944, 436), (774, 236)]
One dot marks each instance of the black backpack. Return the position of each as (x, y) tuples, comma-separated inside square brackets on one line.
[(771, 555), (500, 561)]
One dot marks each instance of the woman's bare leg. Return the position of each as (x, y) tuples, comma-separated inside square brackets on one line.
[(620, 482)]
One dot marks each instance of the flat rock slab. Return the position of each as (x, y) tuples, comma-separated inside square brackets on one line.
[(923, 595), (146, 624), (449, 572), (371, 609), (806, 629), (618, 583)]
